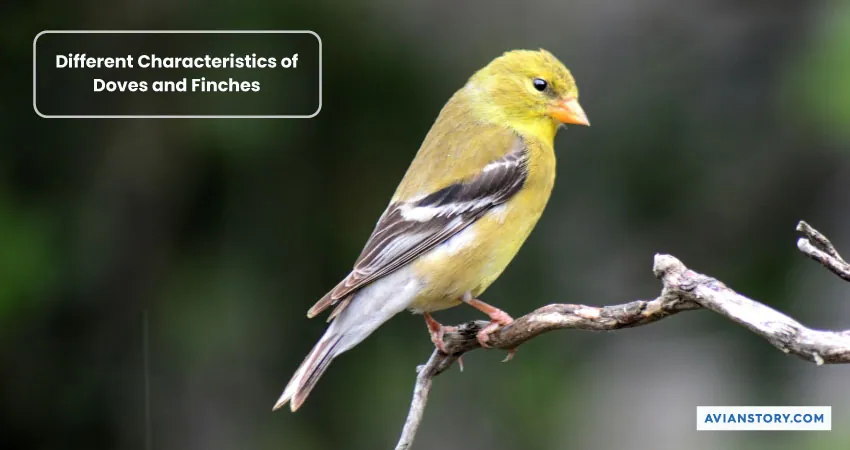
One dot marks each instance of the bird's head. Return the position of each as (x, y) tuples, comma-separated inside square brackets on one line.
[(528, 89)]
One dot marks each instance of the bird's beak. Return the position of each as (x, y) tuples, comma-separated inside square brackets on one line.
[(569, 111)]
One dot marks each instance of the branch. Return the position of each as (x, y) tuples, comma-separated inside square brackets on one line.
[(682, 290), (818, 247), (420, 396)]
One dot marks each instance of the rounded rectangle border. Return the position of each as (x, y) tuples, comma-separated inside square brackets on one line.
[(47, 116)]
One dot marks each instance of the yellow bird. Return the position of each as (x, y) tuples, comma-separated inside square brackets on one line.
[(471, 196)]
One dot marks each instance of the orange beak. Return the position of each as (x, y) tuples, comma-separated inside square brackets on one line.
[(569, 111)]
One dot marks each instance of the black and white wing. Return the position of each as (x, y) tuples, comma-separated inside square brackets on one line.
[(410, 228)]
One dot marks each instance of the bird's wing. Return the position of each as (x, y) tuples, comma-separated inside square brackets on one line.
[(411, 227)]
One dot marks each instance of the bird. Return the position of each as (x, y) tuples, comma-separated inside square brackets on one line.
[(471, 196)]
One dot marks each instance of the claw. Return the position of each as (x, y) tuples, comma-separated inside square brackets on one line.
[(498, 319), (437, 331), (511, 354)]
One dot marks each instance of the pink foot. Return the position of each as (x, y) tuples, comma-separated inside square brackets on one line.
[(437, 331), (498, 318)]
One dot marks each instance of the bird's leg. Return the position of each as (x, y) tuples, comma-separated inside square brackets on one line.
[(437, 330), (498, 318)]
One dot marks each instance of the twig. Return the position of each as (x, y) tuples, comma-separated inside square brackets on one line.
[(420, 397), (818, 247), (682, 290)]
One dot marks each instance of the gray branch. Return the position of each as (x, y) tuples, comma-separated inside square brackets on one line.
[(682, 290), (818, 247)]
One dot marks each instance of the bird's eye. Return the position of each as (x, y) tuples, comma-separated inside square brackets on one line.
[(540, 84)]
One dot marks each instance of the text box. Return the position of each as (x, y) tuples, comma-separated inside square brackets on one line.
[(177, 74)]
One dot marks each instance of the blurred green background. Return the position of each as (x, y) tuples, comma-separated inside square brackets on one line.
[(717, 125)]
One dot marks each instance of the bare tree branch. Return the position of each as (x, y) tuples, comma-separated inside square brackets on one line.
[(682, 290), (818, 247), (420, 397)]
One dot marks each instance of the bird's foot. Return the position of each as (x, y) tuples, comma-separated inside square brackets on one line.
[(498, 319), (437, 331)]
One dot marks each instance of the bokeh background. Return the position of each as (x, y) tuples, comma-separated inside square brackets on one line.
[(717, 125)]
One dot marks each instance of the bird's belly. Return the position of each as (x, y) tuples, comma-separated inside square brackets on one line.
[(472, 259)]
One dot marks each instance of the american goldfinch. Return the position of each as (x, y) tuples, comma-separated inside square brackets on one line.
[(471, 196)]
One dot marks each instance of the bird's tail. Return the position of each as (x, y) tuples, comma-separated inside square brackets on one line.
[(376, 304), (309, 372)]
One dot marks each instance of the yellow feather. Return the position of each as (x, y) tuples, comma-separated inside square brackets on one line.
[(493, 240), (478, 125), (470, 130)]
